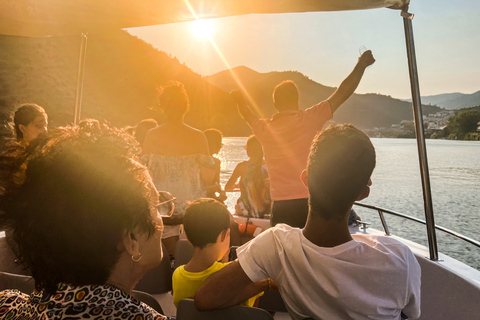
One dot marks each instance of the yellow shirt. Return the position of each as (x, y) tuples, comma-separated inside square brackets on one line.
[(186, 283)]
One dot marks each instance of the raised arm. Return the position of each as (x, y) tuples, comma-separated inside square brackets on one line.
[(227, 287), (244, 110), (207, 174), (237, 173), (350, 84), (147, 143)]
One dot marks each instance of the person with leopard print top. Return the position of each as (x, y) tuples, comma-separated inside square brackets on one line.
[(85, 216)]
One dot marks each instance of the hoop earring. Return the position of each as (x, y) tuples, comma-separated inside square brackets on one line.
[(138, 259)]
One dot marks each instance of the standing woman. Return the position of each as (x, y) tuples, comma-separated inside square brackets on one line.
[(178, 158), (30, 121)]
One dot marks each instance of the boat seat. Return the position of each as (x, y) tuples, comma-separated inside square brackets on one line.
[(8, 258), (183, 253), (447, 294), (148, 300), (272, 301), (159, 279), (187, 311), (23, 283)]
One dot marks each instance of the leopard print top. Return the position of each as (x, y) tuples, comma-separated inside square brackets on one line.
[(85, 302)]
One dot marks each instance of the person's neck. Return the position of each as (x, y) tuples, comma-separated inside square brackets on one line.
[(289, 108), (124, 275), (326, 233), (174, 121), (255, 160), (203, 258)]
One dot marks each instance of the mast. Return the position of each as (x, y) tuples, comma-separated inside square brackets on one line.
[(81, 71), (420, 134)]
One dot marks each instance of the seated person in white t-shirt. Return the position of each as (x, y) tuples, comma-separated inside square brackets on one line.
[(323, 271)]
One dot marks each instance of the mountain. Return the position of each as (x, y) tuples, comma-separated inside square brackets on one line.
[(453, 101), (363, 110), (122, 74)]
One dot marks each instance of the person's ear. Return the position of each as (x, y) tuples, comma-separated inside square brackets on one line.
[(224, 234), (130, 243), (22, 129), (303, 177), (365, 193)]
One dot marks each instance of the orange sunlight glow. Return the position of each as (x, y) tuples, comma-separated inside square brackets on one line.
[(239, 83), (199, 23)]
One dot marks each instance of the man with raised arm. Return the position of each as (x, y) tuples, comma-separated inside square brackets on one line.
[(286, 140), (322, 271)]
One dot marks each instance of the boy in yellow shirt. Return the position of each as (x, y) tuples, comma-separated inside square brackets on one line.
[(207, 227)]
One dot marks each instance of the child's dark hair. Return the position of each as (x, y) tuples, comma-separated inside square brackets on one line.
[(214, 139), (204, 220), (254, 148)]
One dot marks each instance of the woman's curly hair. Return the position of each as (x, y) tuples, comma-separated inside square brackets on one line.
[(70, 198)]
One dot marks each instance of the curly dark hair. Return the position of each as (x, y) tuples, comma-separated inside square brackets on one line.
[(341, 161), (75, 193)]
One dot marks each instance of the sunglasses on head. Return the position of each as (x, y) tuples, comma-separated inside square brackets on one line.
[(167, 203)]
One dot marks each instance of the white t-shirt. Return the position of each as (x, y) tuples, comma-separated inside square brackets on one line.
[(370, 277)]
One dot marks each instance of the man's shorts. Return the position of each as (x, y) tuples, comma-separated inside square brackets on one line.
[(293, 212)]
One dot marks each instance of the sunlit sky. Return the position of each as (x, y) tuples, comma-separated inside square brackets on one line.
[(325, 46)]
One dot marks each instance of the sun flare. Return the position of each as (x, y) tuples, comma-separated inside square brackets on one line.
[(203, 29)]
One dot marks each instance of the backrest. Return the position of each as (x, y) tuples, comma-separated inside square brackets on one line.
[(446, 294), (159, 279), (186, 311), (25, 284), (183, 253), (148, 300), (8, 258)]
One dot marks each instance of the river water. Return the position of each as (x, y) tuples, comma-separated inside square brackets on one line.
[(455, 183)]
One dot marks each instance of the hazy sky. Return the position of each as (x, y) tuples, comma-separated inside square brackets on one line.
[(325, 46)]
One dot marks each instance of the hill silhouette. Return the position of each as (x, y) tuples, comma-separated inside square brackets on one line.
[(453, 101), (122, 74), (363, 110)]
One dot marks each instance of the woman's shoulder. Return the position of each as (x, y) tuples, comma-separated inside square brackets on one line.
[(242, 165), (146, 158), (181, 161)]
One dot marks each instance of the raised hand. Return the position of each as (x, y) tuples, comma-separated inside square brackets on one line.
[(366, 59), (237, 97)]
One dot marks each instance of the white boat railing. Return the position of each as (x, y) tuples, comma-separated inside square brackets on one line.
[(381, 212)]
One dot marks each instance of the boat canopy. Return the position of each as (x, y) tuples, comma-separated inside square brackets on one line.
[(43, 18)]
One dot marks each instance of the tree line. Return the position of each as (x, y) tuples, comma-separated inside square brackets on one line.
[(465, 125)]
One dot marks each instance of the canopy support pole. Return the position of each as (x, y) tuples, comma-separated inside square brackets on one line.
[(81, 72), (419, 130)]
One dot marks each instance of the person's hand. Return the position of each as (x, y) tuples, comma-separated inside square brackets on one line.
[(366, 59), (237, 96), (222, 196), (273, 286)]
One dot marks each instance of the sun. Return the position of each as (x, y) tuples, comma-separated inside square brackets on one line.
[(203, 29)]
